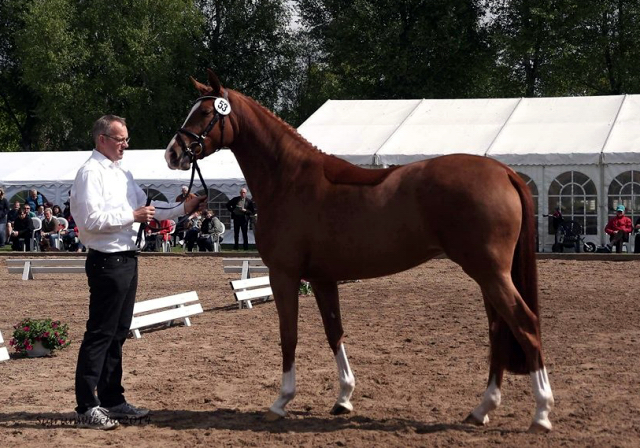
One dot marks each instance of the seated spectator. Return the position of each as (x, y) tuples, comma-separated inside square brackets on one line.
[(618, 228), (192, 230), (210, 229), (4, 211), (11, 217), (49, 231), (57, 211), (35, 199), (40, 212), (22, 231), (29, 210), (155, 234)]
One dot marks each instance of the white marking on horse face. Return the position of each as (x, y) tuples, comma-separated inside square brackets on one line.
[(193, 109)]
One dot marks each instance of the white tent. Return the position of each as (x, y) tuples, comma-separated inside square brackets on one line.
[(52, 173), (580, 153)]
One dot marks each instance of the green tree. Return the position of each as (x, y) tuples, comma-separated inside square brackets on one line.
[(85, 59), (251, 46), (399, 49)]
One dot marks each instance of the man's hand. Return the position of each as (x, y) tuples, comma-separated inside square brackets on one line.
[(144, 213), (196, 203)]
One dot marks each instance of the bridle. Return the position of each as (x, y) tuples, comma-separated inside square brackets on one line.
[(221, 108)]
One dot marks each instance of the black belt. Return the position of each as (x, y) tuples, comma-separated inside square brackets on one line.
[(124, 253)]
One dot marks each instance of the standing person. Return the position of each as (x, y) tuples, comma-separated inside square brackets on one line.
[(4, 212), (636, 244), (241, 208), (618, 228), (108, 206), (181, 227)]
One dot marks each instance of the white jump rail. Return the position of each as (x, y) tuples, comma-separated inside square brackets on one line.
[(246, 290), (164, 309), (4, 353), (30, 266)]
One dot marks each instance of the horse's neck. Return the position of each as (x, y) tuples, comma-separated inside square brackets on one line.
[(265, 145)]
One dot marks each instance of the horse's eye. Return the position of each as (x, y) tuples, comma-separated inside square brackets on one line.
[(207, 111)]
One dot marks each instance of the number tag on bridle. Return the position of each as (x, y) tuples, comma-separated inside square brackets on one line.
[(222, 106)]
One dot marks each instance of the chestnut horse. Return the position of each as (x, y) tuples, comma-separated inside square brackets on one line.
[(326, 220)]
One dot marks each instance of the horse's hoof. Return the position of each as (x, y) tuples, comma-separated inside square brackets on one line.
[(473, 420), (339, 409), (537, 428), (271, 416)]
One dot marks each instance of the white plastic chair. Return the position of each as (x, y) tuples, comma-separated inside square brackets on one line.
[(63, 225), (37, 226), (216, 242)]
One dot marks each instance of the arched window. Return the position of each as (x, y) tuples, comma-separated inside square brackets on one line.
[(22, 196), (575, 193), (154, 194), (217, 203), (533, 188), (625, 190)]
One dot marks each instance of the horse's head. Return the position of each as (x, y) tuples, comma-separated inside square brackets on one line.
[(206, 128)]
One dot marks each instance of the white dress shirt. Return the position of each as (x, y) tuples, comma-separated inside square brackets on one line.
[(103, 198)]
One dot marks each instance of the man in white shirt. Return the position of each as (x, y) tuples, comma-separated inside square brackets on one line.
[(108, 207)]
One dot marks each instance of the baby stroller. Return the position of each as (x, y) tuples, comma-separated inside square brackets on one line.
[(569, 235)]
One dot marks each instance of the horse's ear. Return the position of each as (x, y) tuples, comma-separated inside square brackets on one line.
[(204, 90), (214, 82)]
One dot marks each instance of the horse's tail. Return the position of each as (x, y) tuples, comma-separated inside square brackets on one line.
[(524, 274)]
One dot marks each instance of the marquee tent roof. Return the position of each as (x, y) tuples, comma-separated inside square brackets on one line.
[(148, 167), (518, 131)]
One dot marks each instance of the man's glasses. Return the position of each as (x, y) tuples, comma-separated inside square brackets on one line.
[(119, 140)]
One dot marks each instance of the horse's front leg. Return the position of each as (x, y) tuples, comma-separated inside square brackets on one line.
[(285, 292), (326, 294)]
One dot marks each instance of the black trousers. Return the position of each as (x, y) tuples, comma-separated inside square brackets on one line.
[(617, 239), (240, 222), (113, 280)]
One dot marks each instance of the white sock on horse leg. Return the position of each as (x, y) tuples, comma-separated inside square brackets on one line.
[(544, 397), (287, 391), (490, 401), (347, 380)]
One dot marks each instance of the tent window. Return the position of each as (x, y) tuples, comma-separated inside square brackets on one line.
[(533, 188), (22, 196), (217, 203), (575, 193), (625, 190), (154, 194)]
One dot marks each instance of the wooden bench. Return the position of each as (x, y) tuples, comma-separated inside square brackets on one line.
[(4, 353), (164, 309), (247, 288), (30, 266)]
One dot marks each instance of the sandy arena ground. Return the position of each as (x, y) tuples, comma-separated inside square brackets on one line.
[(417, 343)]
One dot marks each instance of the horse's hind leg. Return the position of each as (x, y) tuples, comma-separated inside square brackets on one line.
[(492, 396), (327, 298), (285, 293), (501, 294)]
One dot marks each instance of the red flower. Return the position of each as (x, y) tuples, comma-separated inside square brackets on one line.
[(61, 341), (12, 342), (25, 329), (45, 334)]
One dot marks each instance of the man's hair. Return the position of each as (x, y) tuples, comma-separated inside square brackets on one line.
[(103, 125), (48, 210)]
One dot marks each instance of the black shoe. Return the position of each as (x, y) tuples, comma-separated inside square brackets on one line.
[(127, 410)]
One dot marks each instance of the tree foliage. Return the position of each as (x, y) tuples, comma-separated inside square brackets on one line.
[(63, 63)]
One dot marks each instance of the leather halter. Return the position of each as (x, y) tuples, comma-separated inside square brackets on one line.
[(196, 147)]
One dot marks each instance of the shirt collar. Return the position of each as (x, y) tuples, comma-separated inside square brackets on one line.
[(104, 161)]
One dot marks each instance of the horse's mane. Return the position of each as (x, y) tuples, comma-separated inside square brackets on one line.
[(336, 170)]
